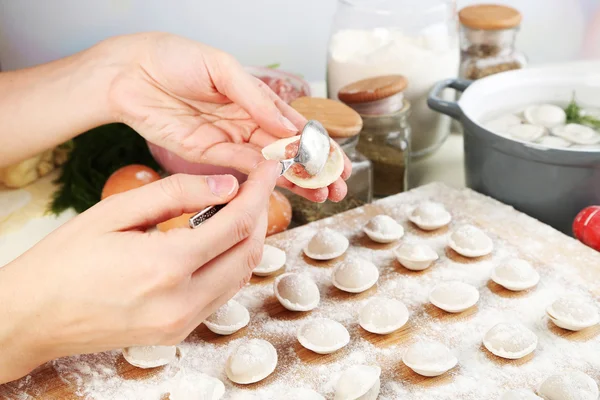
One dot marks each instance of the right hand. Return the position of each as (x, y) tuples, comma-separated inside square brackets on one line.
[(101, 282)]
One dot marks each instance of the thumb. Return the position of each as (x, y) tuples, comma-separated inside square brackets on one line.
[(164, 199)]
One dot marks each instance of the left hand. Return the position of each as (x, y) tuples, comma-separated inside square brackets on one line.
[(200, 103)]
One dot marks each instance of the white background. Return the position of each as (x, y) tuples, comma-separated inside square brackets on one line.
[(257, 32)]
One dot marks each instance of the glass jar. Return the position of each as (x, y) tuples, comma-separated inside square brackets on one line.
[(360, 186), (487, 41), (415, 38)]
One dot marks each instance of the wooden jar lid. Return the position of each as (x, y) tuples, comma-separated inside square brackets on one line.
[(489, 17), (340, 120), (372, 89)]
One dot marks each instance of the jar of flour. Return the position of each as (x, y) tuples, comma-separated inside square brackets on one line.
[(414, 38)]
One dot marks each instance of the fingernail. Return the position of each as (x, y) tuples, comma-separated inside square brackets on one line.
[(288, 124), (221, 185)]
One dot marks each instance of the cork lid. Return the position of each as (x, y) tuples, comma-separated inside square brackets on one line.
[(372, 89), (489, 17), (340, 120)]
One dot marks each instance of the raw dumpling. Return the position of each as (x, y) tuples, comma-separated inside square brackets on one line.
[(382, 315), (554, 141), (197, 387), (323, 335), (546, 115), (515, 274), (228, 319), (510, 340), (470, 241), (252, 361), (296, 292), (302, 394), (573, 385), (501, 124), (272, 261), (383, 229), (330, 173), (519, 394), (577, 133), (429, 358), (327, 244), (415, 257), (454, 296), (355, 275), (430, 216), (360, 382), (526, 132), (149, 356), (573, 314)]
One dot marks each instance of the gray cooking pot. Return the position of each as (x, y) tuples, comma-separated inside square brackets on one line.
[(551, 185)]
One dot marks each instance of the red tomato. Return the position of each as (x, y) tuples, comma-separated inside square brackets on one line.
[(586, 227)]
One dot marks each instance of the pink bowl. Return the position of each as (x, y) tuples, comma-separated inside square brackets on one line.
[(287, 85)]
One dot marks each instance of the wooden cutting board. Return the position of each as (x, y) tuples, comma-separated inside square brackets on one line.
[(566, 267)]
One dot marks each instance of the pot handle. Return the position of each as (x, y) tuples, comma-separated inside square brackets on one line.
[(450, 108)]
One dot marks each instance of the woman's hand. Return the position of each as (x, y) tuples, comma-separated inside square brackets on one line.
[(102, 282), (199, 103)]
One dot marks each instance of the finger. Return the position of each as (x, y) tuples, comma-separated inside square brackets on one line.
[(337, 190), (164, 199), (231, 225), (288, 111), (316, 195), (347, 168), (248, 92)]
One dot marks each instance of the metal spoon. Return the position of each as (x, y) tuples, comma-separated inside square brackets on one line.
[(313, 152)]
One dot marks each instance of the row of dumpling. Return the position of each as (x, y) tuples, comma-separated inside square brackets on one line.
[(545, 124)]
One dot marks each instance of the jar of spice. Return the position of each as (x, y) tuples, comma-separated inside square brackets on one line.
[(385, 136), (487, 40), (343, 125)]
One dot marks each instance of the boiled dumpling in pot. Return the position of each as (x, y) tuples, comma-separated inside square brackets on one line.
[(382, 315), (323, 335), (520, 394), (228, 319), (429, 358), (272, 260), (149, 356), (287, 148), (252, 361), (470, 241), (296, 292), (429, 216), (327, 244), (501, 124), (577, 133), (515, 274), (415, 257), (546, 115), (526, 132), (554, 142), (383, 229), (355, 275), (360, 382), (510, 340), (573, 313), (454, 296), (570, 385)]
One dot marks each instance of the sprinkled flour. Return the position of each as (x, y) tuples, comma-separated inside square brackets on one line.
[(565, 266)]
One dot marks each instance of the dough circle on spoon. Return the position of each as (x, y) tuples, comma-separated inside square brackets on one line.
[(515, 274), (323, 335), (296, 292), (383, 315), (470, 241), (510, 340), (573, 314), (454, 296), (429, 358), (330, 173), (273, 259), (228, 319), (569, 385), (252, 361), (327, 244), (415, 257), (383, 229), (149, 356), (360, 382), (430, 216), (355, 275)]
